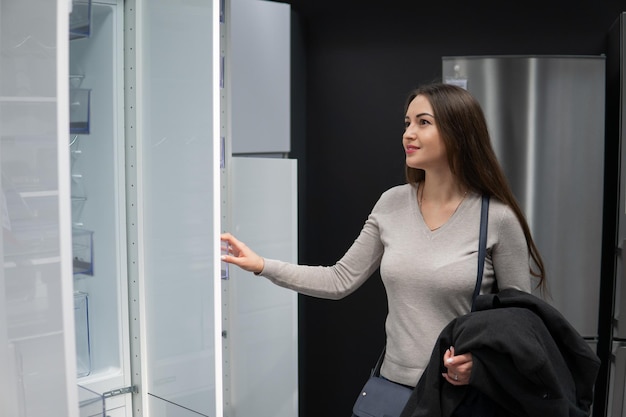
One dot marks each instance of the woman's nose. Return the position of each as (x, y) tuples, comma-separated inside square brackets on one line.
[(409, 133)]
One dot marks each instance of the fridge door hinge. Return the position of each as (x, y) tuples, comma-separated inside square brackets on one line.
[(121, 391)]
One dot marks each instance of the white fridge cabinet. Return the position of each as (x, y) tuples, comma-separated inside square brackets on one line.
[(112, 279)]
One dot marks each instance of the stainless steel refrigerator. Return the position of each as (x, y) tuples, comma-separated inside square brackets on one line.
[(546, 119), (558, 124)]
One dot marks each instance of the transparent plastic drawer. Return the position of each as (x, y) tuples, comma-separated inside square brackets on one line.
[(81, 320)]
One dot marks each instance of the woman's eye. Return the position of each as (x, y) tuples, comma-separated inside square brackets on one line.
[(424, 122), (406, 124)]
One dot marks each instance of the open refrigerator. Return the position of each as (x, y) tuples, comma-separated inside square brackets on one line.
[(117, 178)]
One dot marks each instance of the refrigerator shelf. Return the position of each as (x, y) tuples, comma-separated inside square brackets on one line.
[(90, 403)]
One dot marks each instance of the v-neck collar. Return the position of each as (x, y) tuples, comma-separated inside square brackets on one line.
[(448, 223)]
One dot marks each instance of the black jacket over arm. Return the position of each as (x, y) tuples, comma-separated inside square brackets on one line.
[(526, 357)]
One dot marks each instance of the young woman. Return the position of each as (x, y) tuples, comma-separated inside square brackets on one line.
[(424, 236)]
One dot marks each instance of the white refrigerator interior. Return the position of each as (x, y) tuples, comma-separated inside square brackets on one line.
[(98, 205), (37, 376), (143, 174)]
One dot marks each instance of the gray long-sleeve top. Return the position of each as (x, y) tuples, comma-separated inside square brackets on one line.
[(429, 276)]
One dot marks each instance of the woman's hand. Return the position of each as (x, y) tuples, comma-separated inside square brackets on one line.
[(459, 367), (241, 255)]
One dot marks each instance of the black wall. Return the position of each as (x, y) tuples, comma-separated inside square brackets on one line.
[(353, 65)]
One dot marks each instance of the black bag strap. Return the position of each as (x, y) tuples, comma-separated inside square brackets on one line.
[(482, 252), (482, 246)]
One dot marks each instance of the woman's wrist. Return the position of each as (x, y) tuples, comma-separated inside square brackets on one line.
[(259, 270)]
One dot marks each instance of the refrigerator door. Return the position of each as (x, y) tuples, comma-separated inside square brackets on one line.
[(546, 120), (37, 364), (178, 196)]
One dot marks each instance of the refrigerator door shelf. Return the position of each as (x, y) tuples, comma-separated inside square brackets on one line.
[(80, 19), (82, 244), (80, 110)]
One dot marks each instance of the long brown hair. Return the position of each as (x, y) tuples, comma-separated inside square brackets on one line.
[(463, 129)]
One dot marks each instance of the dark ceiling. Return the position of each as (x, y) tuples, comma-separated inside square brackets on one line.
[(451, 10), (326, 8)]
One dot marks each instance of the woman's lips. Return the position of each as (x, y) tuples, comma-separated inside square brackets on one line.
[(412, 149)]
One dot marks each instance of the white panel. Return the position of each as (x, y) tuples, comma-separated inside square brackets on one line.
[(260, 76), (178, 202), (264, 336), (38, 373)]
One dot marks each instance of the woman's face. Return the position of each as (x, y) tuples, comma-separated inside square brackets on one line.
[(423, 145)]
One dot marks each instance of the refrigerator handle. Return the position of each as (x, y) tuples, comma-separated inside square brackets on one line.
[(620, 287), (619, 359)]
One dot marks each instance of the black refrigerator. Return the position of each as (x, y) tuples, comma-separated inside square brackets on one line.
[(615, 289)]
